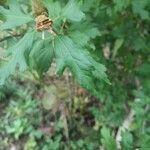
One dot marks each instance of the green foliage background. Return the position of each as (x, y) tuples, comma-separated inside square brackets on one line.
[(92, 35)]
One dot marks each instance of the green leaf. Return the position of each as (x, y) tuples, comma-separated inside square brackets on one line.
[(107, 140), (77, 36), (87, 71), (41, 56), (54, 9), (18, 57), (127, 140), (139, 8), (121, 4), (144, 141), (88, 29), (14, 16), (140, 44), (118, 44), (72, 12), (86, 32)]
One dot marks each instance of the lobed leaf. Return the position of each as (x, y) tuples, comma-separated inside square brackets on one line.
[(139, 7), (54, 9), (107, 140), (14, 16), (87, 71), (72, 12), (41, 56), (18, 57)]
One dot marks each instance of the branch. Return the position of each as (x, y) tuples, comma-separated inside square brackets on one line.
[(129, 119), (125, 125), (8, 37)]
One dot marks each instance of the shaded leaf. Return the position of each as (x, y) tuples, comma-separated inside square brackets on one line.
[(127, 140), (139, 8), (41, 56), (107, 140), (72, 12), (87, 71), (121, 4), (18, 57), (54, 9), (14, 16)]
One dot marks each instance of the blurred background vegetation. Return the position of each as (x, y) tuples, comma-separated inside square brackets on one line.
[(57, 114)]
